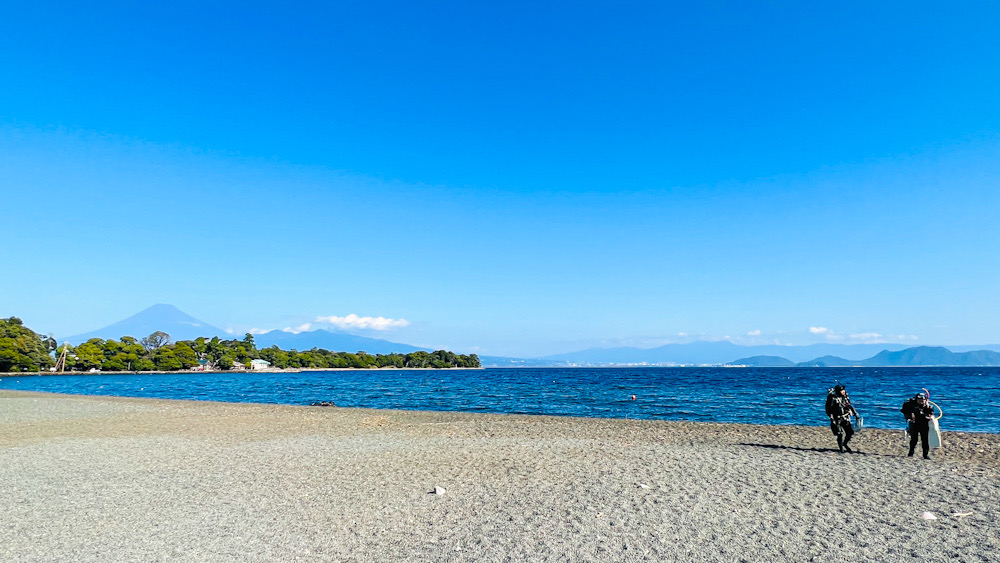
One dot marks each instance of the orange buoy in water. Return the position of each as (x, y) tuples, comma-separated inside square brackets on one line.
[(633, 397)]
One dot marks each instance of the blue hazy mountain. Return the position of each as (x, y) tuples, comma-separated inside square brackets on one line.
[(723, 352), (508, 362), (702, 352), (977, 348), (764, 361), (910, 357), (933, 356), (167, 318), (333, 341), (718, 352), (829, 362)]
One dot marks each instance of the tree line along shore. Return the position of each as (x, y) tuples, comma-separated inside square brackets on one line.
[(23, 350)]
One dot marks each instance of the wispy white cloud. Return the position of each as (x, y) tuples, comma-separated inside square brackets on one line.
[(754, 332), (349, 322), (353, 321), (870, 337), (867, 337), (825, 333)]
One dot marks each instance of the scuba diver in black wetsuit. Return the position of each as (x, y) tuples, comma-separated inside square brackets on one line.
[(839, 409), (918, 412)]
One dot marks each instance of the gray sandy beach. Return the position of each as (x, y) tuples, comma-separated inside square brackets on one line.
[(120, 479)]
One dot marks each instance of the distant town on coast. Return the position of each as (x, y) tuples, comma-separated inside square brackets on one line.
[(176, 341)]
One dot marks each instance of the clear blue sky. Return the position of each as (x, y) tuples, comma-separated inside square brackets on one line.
[(511, 178)]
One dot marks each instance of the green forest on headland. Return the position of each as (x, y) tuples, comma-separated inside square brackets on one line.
[(23, 350)]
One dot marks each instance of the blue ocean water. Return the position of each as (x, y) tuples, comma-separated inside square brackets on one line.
[(969, 397)]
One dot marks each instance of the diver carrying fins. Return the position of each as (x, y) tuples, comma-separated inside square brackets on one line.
[(921, 423)]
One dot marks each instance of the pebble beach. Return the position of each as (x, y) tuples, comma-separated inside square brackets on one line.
[(123, 479)]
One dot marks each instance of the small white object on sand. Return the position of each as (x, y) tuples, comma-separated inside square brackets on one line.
[(962, 514), (928, 516), (642, 485), (439, 490)]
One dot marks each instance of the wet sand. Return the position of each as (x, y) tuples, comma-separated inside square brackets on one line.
[(121, 479)]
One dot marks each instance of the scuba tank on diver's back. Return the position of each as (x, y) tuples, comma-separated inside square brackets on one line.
[(842, 424)]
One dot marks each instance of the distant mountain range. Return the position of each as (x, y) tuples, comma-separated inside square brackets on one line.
[(181, 326), (723, 352), (917, 356), (718, 352), (333, 341)]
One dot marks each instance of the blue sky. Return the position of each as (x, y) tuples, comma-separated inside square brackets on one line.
[(511, 179)]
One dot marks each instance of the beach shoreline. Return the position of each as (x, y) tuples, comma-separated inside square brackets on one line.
[(4, 374), (118, 478)]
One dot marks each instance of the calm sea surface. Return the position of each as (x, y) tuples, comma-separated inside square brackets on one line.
[(970, 397)]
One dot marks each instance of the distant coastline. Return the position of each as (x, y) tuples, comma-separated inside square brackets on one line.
[(721, 354), (213, 371)]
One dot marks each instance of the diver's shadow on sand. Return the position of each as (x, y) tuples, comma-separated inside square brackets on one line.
[(797, 448)]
